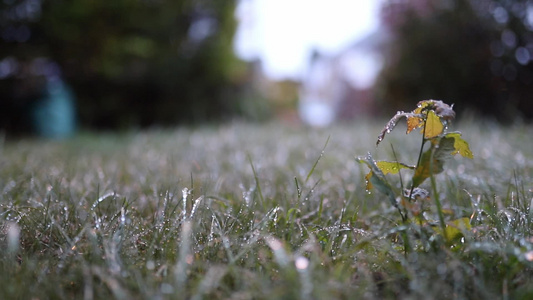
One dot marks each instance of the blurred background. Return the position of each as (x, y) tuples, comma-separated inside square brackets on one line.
[(133, 64)]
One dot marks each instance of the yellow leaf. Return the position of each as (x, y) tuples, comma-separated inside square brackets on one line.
[(460, 145), (391, 167), (424, 104), (368, 186), (413, 123), (455, 228), (434, 126)]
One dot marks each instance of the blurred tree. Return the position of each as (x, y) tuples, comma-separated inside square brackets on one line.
[(135, 62), (455, 50)]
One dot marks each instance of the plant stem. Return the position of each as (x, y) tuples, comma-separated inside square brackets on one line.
[(436, 196), (406, 242), (424, 140), (404, 214), (433, 182), (399, 169)]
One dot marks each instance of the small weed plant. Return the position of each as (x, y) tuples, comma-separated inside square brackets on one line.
[(431, 118), (246, 211)]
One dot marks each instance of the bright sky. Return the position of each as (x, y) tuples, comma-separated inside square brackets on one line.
[(283, 33)]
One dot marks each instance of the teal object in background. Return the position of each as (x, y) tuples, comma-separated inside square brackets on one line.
[(54, 115)]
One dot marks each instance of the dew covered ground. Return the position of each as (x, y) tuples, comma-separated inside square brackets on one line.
[(268, 211)]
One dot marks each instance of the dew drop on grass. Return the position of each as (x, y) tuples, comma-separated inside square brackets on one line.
[(185, 192), (211, 231), (13, 237), (529, 256), (344, 238), (195, 206), (246, 194), (301, 263), (98, 222), (122, 216), (101, 199)]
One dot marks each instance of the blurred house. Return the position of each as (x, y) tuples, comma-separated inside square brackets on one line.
[(339, 87)]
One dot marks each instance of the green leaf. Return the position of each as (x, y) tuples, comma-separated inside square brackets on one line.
[(425, 168), (460, 145), (444, 150), (376, 178)]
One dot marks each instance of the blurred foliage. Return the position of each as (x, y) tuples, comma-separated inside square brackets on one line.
[(131, 62), (477, 54)]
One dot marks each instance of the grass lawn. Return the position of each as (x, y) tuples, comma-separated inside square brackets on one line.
[(261, 212)]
